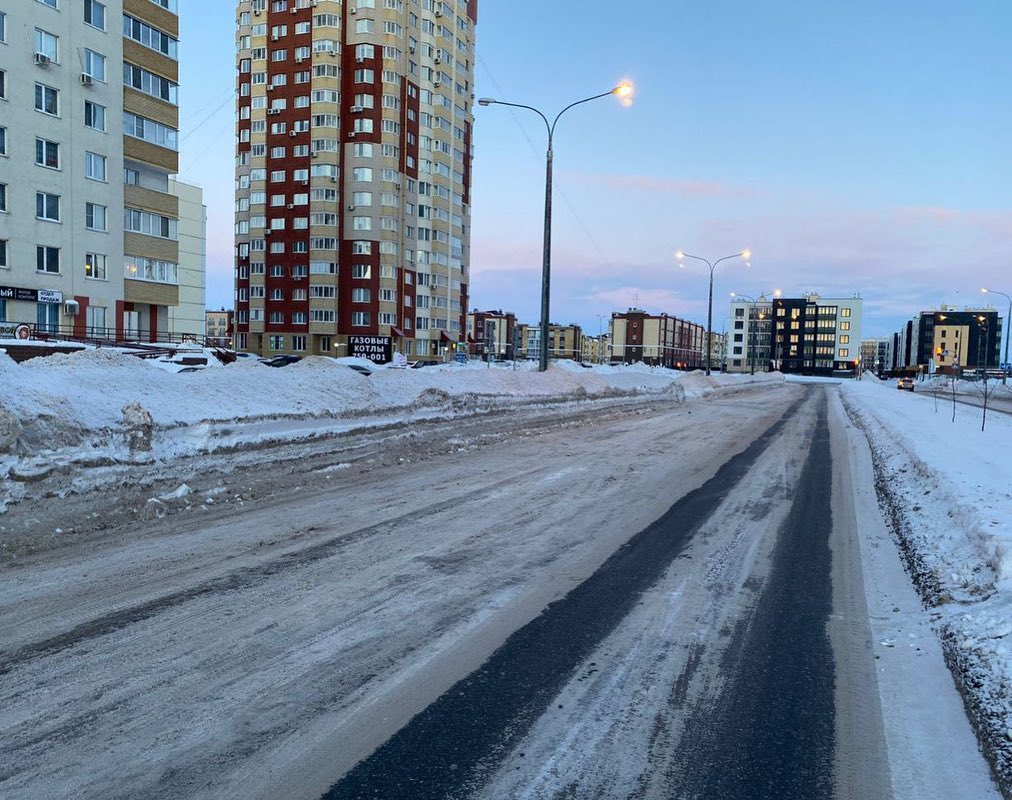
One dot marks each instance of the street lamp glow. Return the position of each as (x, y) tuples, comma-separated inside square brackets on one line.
[(624, 89), (746, 254)]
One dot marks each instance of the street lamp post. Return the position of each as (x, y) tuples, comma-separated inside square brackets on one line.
[(709, 303), (623, 90), (1008, 322), (600, 349)]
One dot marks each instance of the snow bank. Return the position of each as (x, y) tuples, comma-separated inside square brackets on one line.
[(945, 486), (104, 403)]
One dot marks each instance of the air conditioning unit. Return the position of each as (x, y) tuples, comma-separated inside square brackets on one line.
[(290, 206), (351, 206), (274, 37), (436, 82), (273, 110), (299, 59), (292, 133), (438, 59), (359, 59), (351, 134), (256, 12), (357, 109), (71, 307), (333, 179), (295, 11), (43, 59), (353, 10), (305, 183), (312, 154), (86, 79), (267, 232), (411, 48)]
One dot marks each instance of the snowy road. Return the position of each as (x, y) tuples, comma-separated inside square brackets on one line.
[(720, 604)]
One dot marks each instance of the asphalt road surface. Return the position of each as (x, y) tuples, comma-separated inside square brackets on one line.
[(652, 600)]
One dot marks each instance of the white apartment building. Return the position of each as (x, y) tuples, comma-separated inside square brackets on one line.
[(88, 140)]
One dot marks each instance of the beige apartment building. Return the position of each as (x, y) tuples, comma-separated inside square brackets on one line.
[(656, 339), (353, 176), (88, 140)]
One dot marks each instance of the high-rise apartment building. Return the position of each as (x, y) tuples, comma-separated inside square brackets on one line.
[(353, 175), (88, 138)]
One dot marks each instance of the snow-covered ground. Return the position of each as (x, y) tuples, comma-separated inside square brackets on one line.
[(946, 487)]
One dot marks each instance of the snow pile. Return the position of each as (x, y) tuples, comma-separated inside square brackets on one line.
[(100, 403), (944, 485)]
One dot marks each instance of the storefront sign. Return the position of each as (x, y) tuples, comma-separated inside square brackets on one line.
[(19, 294), (48, 296), (15, 330), (375, 348)]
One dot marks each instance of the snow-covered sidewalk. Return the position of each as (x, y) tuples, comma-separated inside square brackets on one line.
[(946, 488)]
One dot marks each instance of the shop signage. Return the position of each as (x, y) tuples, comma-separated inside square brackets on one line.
[(375, 348), (18, 294)]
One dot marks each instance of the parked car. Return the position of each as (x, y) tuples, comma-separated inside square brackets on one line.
[(281, 361), (424, 363), (905, 383), (358, 368)]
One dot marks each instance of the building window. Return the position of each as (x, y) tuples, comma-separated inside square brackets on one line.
[(150, 131), (94, 166), (95, 217), (276, 343), (47, 153), (150, 224), (47, 259), (3, 253), (360, 319), (94, 115), (94, 14), (299, 343), (47, 317), (151, 269), (151, 84), (96, 321), (3, 197), (50, 3), (3, 27), (844, 312), (361, 295), (47, 44), (47, 206), (3, 81), (95, 266), (844, 352), (3, 141), (47, 99), (131, 177), (150, 37)]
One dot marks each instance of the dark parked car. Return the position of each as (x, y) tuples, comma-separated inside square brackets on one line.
[(426, 363), (281, 361)]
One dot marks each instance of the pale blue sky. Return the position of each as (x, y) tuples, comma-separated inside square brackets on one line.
[(857, 148)]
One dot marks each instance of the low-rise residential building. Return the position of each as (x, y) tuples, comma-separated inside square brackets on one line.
[(948, 340), (492, 332), (596, 349), (218, 330), (186, 320), (809, 335), (877, 354), (656, 339), (564, 341)]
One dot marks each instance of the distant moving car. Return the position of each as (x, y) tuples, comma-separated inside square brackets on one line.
[(905, 383)]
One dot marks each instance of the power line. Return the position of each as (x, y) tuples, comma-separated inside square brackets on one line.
[(199, 125)]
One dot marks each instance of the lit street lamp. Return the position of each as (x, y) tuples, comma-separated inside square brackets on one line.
[(709, 303), (1008, 319), (623, 90)]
